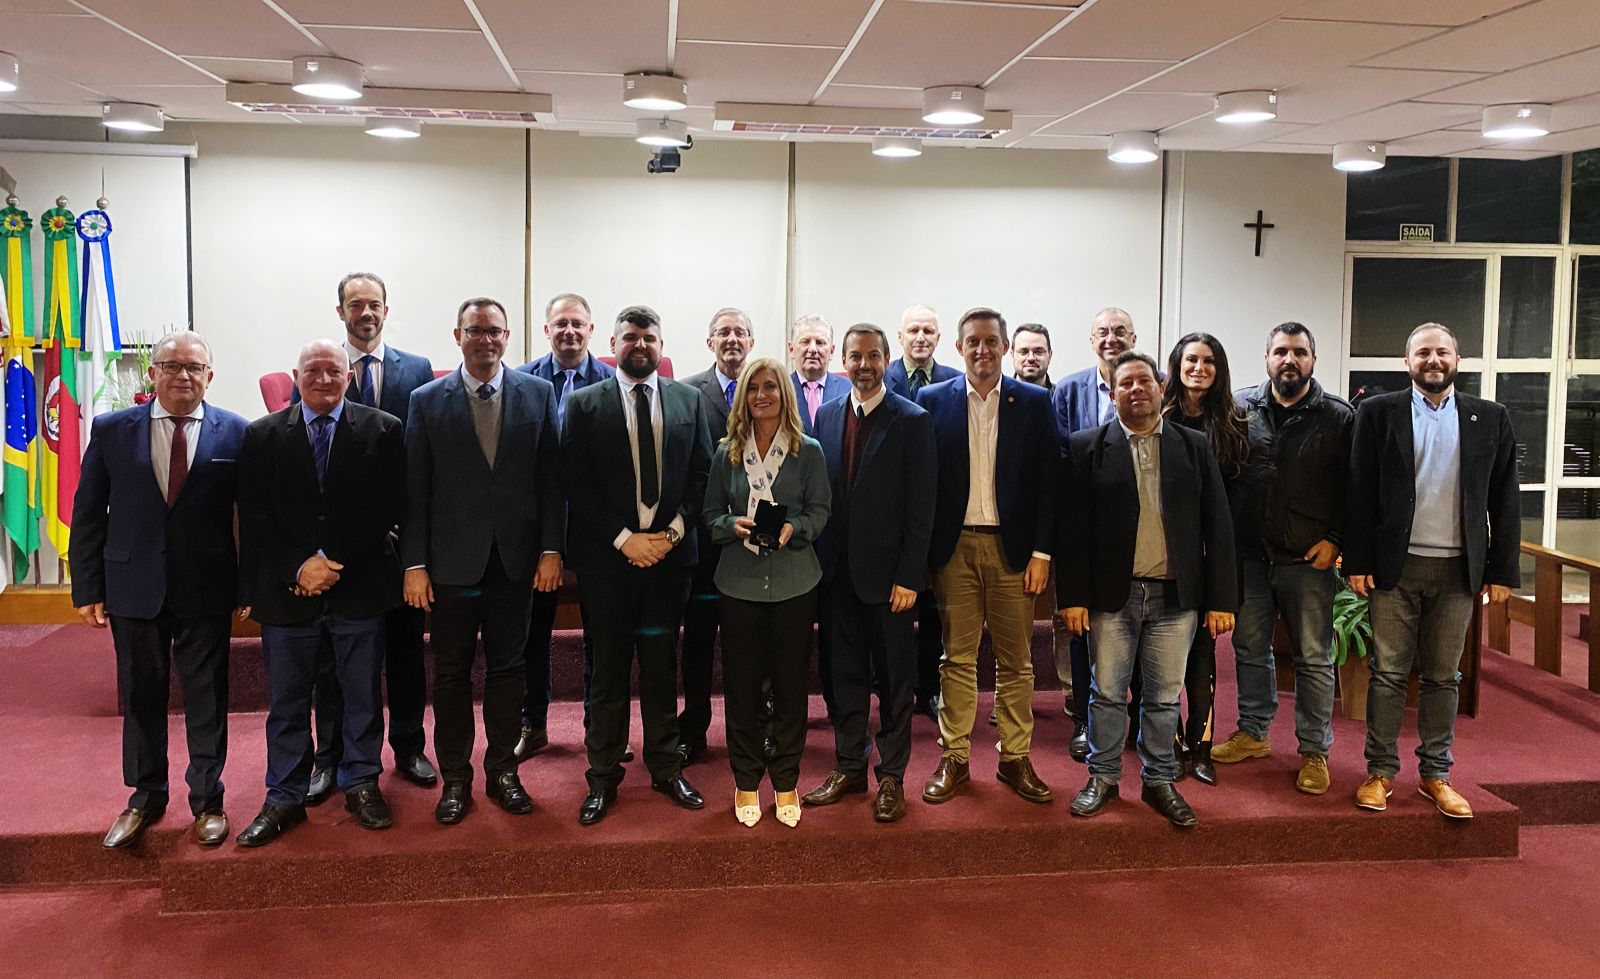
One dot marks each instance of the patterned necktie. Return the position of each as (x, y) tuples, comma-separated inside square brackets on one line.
[(919, 377), (731, 385), (561, 396), (485, 391), (321, 442), (178, 464), (649, 477), (369, 394)]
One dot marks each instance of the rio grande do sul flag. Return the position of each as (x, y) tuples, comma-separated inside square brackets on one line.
[(62, 460)]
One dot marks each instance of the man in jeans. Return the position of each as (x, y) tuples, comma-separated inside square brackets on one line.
[(1292, 508)]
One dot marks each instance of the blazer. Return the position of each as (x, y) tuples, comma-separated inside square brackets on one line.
[(1026, 460), (133, 552), (1074, 401), (402, 374), (888, 512), (600, 483), (457, 508), (833, 386), (776, 576), (1100, 521), (898, 381), (716, 401), (593, 371), (1382, 492), (286, 516)]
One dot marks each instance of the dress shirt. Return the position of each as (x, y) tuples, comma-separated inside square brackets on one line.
[(871, 404), (1436, 443), (626, 384), (983, 436), (161, 441), (1105, 408), (723, 381), (309, 416), (472, 384), (378, 353), (1150, 540)]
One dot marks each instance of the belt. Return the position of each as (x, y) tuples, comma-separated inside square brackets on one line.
[(979, 529)]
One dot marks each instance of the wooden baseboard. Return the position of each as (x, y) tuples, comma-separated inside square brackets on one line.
[(37, 605)]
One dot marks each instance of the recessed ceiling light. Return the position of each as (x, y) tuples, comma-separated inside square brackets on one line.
[(1242, 107), (390, 128), (896, 146), (10, 72), (662, 132), (131, 117), (952, 105), (1525, 120), (327, 78), (1359, 157), (654, 93), (1133, 147)]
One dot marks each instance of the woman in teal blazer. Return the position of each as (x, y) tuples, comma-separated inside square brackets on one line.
[(769, 593)]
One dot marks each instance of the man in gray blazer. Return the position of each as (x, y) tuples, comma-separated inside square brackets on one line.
[(484, 526)]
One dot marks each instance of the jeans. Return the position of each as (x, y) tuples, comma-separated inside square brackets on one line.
[(1153, 631), (1422, 621), (1305, 597)]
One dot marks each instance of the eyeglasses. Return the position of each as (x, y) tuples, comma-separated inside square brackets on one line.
[(485, 332), (172, 368), (737, 332), (1121, 333), (568, 324)]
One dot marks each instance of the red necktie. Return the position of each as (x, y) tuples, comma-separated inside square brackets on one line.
[(178, 467)]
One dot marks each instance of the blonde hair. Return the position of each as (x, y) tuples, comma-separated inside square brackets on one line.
[(740, 430)]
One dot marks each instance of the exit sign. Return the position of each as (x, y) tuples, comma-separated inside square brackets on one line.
[(1416, 232)]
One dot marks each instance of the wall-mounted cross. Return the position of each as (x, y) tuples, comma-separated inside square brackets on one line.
[(1259, 225)]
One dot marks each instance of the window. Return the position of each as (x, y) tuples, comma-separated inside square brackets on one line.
[(1409, 190), (1393, 296), (1585, 198), (1527, 305), (1509, 200)]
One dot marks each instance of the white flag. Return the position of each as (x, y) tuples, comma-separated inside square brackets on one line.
[(97, 374)]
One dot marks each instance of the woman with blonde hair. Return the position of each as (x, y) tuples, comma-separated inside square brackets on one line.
[(766, 501)]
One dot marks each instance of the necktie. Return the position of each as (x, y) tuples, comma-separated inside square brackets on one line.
[(321, 442), (369, 395), (731, 385), (860, 413), (561, 396), (919, 377), (813, 399), (649, 478), (178, 465), (485, 391)]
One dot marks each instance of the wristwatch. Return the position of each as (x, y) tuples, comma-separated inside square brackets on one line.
[(673, 536)]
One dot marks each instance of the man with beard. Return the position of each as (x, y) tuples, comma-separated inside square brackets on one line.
[(1030, 354), (1290, 511), (730, 338), (634, 454), (1434, 522), (811, 350)]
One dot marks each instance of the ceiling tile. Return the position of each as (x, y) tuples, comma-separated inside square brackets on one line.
[(588, 97), (922, 45), (1506, 154), (1449, 13), (871, 96), (631, 34), (227, 28), (1044, 142), (1347, 91), (381, 13), (420, 59), (40, 82), (1315, 149), (1587, 138), (248, 69), (1440, 143), (747, 73), (206, 102), (1207, 134), (1549, 81), (812, 22), (37, 7), (1537, 32), (1141, 111), (1390, 122), (55, 108), (56, 40), (1147, 28), (1035, 85), (1285, 52)]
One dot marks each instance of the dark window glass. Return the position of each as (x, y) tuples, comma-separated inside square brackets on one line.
[(1527, 400), (1532, 532), (1586, 198), (1364, 384), (1390, 297), (1578, 522), (1509, 200), (1583, 427), (1527, 305), (1409, 190), (1586, 308)]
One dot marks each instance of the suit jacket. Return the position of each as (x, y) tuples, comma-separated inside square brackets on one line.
[(136, 554), (457, 508), (1100, 521), (593, 371), (1383, 491), (286, 516), (888, 512), (898, 381), (1026, 460), (833, 386), (716, 402), (600, 483), (1075, 400), (402, 374), (787, 572)]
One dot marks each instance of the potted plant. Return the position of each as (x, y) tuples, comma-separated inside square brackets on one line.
[(1352, 638)]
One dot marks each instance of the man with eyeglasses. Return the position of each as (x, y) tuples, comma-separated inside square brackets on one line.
[(154, 559), (730, 338), (569, 367), (484, 526)]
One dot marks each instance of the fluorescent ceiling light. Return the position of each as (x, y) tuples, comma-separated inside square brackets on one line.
[(952, 105), (1525, 120), (654, 93), (327, 78), (1243, 107), (10, 72), (1133, 147), (662, 132), (896, 146), (131, 117), (394, 128), (1359, 157)]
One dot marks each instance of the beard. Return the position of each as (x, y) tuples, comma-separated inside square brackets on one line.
[(638, 365), (1434, 387), (1290, 387)]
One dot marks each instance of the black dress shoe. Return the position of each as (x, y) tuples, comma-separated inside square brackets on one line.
[(1096, 794), (1079, 746), (454, 802), (507, 790), (627, 754), (1164, 798), (689, 752), (321, 787), (270, 823), (532, 740), (679, 790), (595, 805), (417, 770), (1201, 764), (371, 809)]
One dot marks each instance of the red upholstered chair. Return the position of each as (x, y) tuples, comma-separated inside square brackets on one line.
[(275, 390), (664, 368), (439, 374)]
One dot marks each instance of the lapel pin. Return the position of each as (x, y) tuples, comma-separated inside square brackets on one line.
[(1011, 400), (1473, 418)]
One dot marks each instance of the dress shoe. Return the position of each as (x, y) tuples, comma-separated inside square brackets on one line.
[(1019, 774), (689, 752), (417, 770), (454, 802), (928, 707), (1313, 778), (1094, 796), (678, 789), (834, 788), (371, 809), (942, 784), (321, 787), (787, 808), (595, 805), (1445, 798), (890, 805), (1078, 748), (211, 828), (1200, 763), (270, 823), (747, 814), (1374, 793), (1163, 797), (627, 754), (1241, 747), (507, 790), (531, 740), (129, 826)]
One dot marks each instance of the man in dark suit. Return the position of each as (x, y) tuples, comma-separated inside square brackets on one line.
[(568, 325), (321, 487), (1433, 523), (634, 454), (152, 554), (1144, 511), (730, 338), (1031, 353), (811, 351), (484, 525), (382, 377), (880, 453), (993, 527)]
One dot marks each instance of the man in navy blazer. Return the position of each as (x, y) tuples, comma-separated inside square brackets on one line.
[(569, 367), (811, 350), (993, 526), (483, 528), (153, 555)]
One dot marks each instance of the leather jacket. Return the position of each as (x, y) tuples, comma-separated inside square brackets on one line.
[(1292, 491)]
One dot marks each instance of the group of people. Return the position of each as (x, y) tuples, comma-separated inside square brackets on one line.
[(895, 512)]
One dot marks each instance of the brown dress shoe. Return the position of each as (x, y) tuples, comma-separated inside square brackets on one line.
[(941, 785), (890, 805), (1446, 798), (1019, 774), (129, 826), (1374, 793), (211, 828), (834, 788)]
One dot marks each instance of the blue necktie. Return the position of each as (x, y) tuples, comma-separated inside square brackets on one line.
[(369, 396), (561, 396), (730, 392), (485, 391), (321, 442)]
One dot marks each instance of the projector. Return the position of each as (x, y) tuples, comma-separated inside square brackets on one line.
[(667, 159)]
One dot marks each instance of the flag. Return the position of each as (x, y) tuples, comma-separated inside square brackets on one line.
[(102, 333), (63, 444), (62, 310), (21, 496)]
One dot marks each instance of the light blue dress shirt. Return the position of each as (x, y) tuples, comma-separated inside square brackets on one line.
[(1436, 444)]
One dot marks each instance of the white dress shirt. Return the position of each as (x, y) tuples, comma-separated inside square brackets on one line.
[(983, 436), (871, 404), (378, 353), (161, 440), (647, 514)]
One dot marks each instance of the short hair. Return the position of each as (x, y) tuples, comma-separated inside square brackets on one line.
[(919, 308), (481, 301), (810, 320), (1433, 326), (730, 311), (1294, 329), (1038, 328), (981, 313), (1114, 311), (180, 336), (1132, 356), (566, 297), (643, 317), (350, 277), (872, 328)]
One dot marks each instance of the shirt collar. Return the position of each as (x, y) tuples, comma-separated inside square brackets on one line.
[(1160, 426), (1420, 400), (472, 383), (629, 382), (156, 411), (868, 406), (311, 416), (821, 382), (724, 380), (356, 353)]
